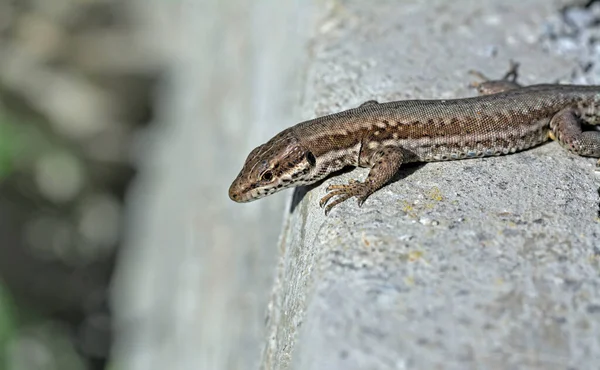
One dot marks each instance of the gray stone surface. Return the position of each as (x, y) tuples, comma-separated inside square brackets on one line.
[(196, 273), (477, 264)]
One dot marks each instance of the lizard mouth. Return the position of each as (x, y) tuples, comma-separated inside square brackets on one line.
[(243, 194)]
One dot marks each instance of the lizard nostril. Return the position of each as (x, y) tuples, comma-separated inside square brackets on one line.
[(233, 195)]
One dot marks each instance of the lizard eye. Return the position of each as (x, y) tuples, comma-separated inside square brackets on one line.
[(311, 158), (266, 176)]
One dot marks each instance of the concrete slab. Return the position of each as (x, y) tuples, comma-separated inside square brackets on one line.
[(486, 263)]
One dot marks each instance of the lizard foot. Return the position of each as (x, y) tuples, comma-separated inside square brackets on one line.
[(354, 188), (491, 86)]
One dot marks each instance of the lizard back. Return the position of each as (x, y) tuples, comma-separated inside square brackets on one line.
[(431, 130)]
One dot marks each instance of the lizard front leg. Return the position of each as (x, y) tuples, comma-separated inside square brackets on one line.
[(384, 163)]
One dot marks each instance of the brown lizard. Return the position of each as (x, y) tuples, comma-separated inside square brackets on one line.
[(505, 118)]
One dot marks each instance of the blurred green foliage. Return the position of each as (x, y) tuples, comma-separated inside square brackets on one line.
[(8, 324), (9, 144), (10, 140)]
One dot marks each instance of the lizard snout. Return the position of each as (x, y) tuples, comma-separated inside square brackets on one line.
[(236, 191)]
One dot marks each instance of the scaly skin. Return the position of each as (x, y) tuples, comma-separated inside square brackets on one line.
[(506, 118)]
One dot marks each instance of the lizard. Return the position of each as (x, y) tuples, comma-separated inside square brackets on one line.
[(504, 118)]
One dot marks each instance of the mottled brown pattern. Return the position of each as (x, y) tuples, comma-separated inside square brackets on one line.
[(377, 134), (492, 114)]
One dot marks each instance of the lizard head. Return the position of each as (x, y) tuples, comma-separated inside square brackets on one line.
[(280, 163)]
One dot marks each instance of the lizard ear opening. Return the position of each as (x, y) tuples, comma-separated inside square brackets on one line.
[(311, 159)]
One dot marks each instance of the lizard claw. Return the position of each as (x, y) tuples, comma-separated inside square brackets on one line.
[(354, 188)]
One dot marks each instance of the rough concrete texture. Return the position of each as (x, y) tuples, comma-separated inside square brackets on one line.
[(477, 264)]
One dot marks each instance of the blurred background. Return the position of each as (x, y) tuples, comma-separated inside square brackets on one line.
[(122, 123), (76, 86)]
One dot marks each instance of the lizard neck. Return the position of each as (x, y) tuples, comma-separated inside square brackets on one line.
[(334, 141)]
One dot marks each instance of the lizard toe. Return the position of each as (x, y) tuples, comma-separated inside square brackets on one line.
[(342, 193)]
